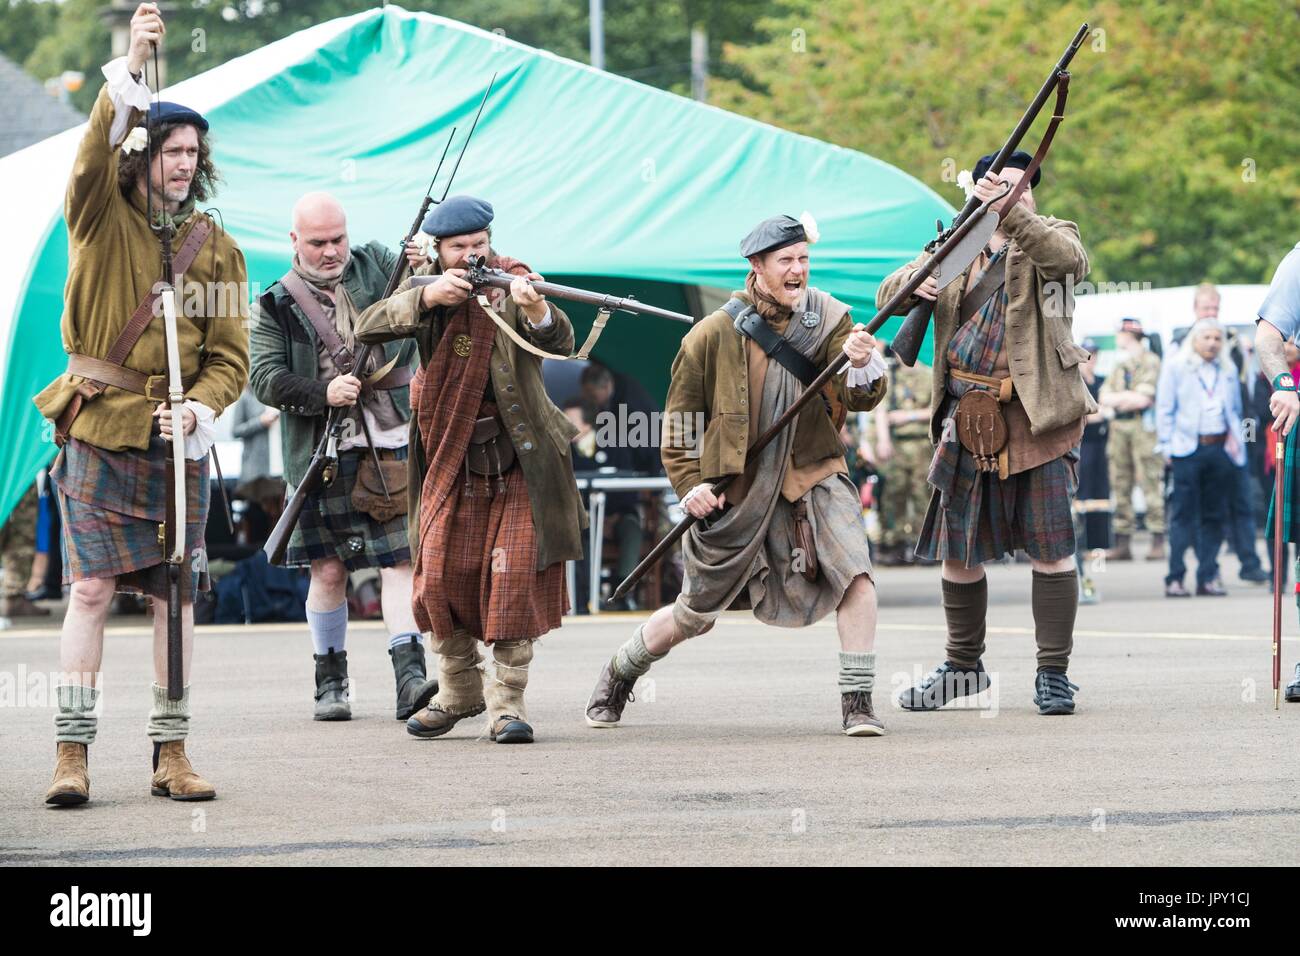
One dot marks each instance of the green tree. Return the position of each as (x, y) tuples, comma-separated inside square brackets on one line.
[(1174, 158)]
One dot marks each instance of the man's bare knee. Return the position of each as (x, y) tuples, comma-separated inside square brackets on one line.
[(331, 574), (92, 595)]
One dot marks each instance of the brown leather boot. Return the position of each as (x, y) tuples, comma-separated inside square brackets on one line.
[(71, 784), (860, 718), (174, 777), (1157, 552), (460, 687), (1122, 551), (434, 721)]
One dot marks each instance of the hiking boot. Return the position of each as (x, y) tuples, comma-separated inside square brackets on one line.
[(71, 784), (413, 691), (1157, 552), (860, 718), (1293, 688), (174, 777), (332, 686), (612, 694), (18, 605), (509, 729), (1122, 551), (944, 684), (1053, 692), (434, 721)]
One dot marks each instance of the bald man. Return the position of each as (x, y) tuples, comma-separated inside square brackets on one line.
[(303, 356)]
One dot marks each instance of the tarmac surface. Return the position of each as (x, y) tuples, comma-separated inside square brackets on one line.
[(731, 753)]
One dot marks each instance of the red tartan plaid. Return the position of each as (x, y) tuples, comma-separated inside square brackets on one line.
[(477, 566)]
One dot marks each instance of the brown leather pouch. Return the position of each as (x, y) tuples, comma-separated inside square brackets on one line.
[(490, 452), (982, 430), (368, 492), (803, 539)]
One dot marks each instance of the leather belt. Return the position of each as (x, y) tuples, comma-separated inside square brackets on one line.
[(1127, 416), (1002, 386), (1218, 439), (152, 387)]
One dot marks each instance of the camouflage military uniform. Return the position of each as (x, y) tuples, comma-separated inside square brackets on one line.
[(1131, 447), (18, 545), (906, 494)]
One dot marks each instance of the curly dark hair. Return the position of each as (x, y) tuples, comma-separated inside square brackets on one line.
[(131, 166)]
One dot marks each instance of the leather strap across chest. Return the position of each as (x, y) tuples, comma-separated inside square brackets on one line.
[(751, 324)]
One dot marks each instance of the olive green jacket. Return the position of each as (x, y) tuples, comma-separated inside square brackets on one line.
[(114, 259), (286, 364), (539, 431), (710, 384), (1044, 262)]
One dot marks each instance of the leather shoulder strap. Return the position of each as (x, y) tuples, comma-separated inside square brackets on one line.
[(311, 307), (752, 325), (734, 307), (990, 280)]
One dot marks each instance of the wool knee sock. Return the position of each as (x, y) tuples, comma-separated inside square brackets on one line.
[(329, 629), (965, 606), (1055, 600), (404, 638), (170, 719), (633, 659), (76, 722), (857, 671)]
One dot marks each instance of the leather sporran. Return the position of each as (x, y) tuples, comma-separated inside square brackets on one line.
[(490, 452), (368, 492), (981, 429), (803, 539)]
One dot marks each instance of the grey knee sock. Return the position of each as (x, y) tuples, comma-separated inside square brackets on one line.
[(329, 629), (170, 719), (857, 671), (633, 659), (75, 722)]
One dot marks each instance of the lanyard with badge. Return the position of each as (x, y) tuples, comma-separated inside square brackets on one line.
[(1213, 401)]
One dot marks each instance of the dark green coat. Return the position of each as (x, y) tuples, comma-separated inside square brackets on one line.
[(539, 431), (286, 365)]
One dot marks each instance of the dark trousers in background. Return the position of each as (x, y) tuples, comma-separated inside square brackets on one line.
[(1202, 483), (1241, 526)]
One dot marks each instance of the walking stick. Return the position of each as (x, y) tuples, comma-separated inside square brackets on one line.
[(1279, 556)]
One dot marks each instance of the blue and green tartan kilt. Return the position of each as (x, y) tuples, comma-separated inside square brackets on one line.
[(331, 527), (112, 504), (986, 517)]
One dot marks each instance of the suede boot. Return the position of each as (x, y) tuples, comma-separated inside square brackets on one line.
[(71, 784), (174, 777)]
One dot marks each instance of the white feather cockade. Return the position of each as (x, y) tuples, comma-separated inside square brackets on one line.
[(810, 227), (427, 244), (966, 182), (138, 138)]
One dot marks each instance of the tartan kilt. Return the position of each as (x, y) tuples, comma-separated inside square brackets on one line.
[(330, 527), (112, 503), (477, 566), (985, 518)]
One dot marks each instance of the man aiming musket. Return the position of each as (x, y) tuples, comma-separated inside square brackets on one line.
[(1279, 322), (115, 409)]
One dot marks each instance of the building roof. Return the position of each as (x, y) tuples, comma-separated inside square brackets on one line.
[(30, 114)]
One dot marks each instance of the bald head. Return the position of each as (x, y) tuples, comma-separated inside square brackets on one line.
[(320, 234)]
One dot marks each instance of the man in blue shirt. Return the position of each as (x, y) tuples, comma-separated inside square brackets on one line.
[(1279, 320), (1199, 432)]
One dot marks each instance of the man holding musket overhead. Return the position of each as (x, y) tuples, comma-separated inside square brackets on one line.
[(1279, 322), (787, 534), (495, 510), (110, 410), (303, 350), (1008, 413)]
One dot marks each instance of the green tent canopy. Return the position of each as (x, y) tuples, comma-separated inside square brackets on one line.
[(597, 181)]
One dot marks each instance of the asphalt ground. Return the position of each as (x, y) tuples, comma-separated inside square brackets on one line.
[(731, 753)]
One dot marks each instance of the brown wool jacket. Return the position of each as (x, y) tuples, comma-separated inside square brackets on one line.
[(1045, 260), (113, 261), (710, 379), (539, 431)]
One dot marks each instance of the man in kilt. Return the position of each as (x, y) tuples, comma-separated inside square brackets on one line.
[(787, 535), (1004, 329), (107, 409), (495, 510), (303, 349), (1279, 323)]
